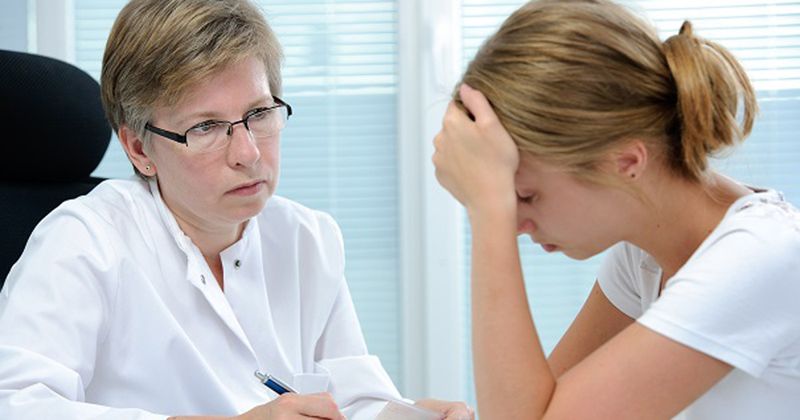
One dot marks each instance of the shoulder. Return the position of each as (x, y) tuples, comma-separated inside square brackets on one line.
[(735, 298), (762, 228), (287, 217), (112, 202), (623, 277), (628, 256), (108, 201), (294, 215), (93, 225), (313, 232), (754, 248), (81, 238)]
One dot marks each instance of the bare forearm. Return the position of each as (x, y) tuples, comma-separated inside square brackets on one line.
[(512, 376)]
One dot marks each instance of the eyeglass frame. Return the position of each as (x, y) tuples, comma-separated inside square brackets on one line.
[(182, 139)]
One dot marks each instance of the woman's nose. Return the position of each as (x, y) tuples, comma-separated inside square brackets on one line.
[(526, 226), (242, 148)]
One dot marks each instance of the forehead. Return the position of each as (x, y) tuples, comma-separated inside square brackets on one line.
[(536, 173), (530, 164), (241, 78), (237, 85)]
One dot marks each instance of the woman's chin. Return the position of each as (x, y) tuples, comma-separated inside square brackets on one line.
[(245, 212), (579, 254)]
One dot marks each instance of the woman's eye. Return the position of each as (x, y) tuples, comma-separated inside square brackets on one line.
[(259, 115), (204, 128), (528, 199)]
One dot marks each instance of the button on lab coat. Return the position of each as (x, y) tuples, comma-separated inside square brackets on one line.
[(112, 313)]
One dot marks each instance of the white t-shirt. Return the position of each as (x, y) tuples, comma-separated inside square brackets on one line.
[(113, 313), (736, 299)]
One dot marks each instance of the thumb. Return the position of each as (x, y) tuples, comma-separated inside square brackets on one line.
[(476, 103)]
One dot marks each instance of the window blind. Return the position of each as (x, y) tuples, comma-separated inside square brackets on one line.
[(764, 36), (339, 148)]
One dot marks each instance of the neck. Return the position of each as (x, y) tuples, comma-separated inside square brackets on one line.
[(211, 244), (210, 240), (682, 215)]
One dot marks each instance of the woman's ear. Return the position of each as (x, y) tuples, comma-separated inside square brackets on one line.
[(134, 148), (631, 159)]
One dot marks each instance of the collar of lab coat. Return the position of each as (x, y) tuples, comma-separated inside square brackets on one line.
[(185, 243)]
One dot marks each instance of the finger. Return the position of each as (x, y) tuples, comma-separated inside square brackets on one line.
[(476, 103), (319, 405), (455, 114), (460, 411), (437, 142), (458, 415)]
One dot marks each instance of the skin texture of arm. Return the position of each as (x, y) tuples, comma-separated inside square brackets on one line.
[(597, 322)]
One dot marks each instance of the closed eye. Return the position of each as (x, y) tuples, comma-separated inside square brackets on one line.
[(258, 113), (528, 199)]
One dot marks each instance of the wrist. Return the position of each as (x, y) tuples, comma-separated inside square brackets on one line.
[(497, 209)]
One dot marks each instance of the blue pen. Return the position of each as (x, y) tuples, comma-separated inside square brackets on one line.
[(273, 383)]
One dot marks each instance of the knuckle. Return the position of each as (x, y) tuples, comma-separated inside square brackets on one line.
[(449, 121), (485, 124), (286, 401), (439, 176)]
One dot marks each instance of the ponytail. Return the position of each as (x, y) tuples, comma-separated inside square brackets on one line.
[(708, 81)]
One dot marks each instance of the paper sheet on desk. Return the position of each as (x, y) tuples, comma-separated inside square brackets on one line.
[(398, 410)]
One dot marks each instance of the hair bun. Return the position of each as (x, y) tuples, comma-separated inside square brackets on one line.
[(686, 29), (709, 83)]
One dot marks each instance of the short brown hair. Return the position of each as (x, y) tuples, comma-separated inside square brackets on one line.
[(158, 48), (571, 79)]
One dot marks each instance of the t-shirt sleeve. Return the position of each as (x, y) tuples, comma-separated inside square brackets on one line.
[(617, 279), (736, 298)]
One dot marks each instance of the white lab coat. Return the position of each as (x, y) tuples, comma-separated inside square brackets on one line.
[(112, 313)]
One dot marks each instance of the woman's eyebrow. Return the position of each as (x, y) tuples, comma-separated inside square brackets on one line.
[(263, 101), (213, 115)]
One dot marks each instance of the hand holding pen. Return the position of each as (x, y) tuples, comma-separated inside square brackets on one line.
[(291, 405)]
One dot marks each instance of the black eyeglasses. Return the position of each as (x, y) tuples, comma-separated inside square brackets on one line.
[(262, 123)]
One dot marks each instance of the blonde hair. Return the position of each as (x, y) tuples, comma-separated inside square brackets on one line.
[(157, 49), (570, 80)]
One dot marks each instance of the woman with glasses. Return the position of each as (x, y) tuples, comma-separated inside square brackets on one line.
[(184, 291), (576, 125)]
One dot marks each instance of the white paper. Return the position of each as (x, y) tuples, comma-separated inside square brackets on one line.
[(399, 410)]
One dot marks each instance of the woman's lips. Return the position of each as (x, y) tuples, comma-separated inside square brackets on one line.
[(248, 189)]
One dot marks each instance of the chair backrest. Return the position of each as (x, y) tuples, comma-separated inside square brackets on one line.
[(55, 136)]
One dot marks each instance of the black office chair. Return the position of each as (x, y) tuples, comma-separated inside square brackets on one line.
[(54, 135)]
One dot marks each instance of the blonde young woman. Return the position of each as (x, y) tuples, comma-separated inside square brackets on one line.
[(576, 125), (159, 296)]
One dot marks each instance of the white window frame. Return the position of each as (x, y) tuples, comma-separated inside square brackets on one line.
[(53, 34), (431, 233)]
